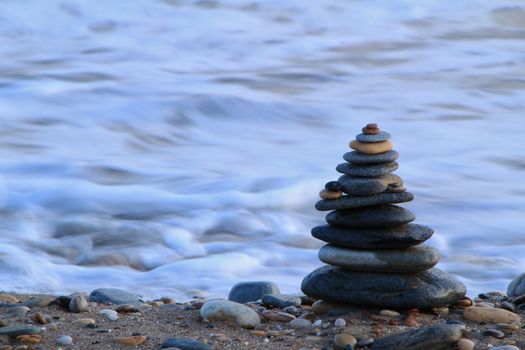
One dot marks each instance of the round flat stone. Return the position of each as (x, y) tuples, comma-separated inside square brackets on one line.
[(349, 202), (361, 158), (362, 186), (373, 170), (407, 260), (380, 216), (368, 138), (423, 290), (372, 148), (403, 236)]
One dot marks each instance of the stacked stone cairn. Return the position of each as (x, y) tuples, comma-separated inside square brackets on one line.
[(373, 253)]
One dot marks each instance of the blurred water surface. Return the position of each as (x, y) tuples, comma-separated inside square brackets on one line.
[(177, 147)]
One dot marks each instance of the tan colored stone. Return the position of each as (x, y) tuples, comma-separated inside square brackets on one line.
[(372, 148), (410, 322), (463, 303), (132, 341), (465, 344), (258, 333), (8, 298), (389, 313), (6, 347), (324, 194), (277, 316), (29, 338), (343, 340), (84, 322), (39, 317), (490, 315), (126, 308), (321, 307), (511, 327)]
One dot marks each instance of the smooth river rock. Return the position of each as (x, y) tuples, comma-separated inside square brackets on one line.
[(361, 186), (15, 331), (184, 344), (372, 170), (381, 136), (403, 236), (114, 296), (408, 260), (372, 148), (350, 202), (423, 290), (380, 216), (218, 310), (245, 292), (438, 337), (490, 315), (361, 158)]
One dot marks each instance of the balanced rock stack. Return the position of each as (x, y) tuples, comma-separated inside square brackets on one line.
[(374, 254)]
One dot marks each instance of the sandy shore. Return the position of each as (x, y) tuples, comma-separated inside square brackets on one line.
[(159, 320)]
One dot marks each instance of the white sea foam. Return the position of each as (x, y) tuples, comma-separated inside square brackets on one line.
[(176, 148)]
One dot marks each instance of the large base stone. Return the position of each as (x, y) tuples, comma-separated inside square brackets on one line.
[(403, 236), (424, 290)]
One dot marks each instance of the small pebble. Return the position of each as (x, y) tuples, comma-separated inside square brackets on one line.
[(29, 338), (39, 317), (84, 322), (465, 344), (317, 324), (258, 333), (365, 342), (324, 194), (110, 314), (494, 333), (8, 298), (127, 308), (78, 304), (300, 323), (508, 326), (463, 303), (19, 311), (131, 341), (440, 310), (340, 322), (65, 340), (410, 322), (333, 186), (389, 313), (507, 306), (277, 316), (344, 340)]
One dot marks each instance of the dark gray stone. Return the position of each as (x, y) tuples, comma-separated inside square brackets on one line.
[(349, 202), (15, 331), (361, 158), (281, 301), (408, 260), (332, 186), (516, 287), (245, 292), (438, 337), (372, 170), (185, 344), (114, 296), (369, 138), (361, 186), (423, 290), (380, 216), (403, 236)]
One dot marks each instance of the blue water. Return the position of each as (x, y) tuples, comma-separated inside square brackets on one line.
[(178, 147)]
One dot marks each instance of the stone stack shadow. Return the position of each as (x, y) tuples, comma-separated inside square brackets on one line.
[(374, 253)]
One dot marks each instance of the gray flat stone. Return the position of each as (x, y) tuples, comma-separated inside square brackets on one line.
[(184, 344), (349, 202), (114, 296), (407, 260), (372, 170), (245, 292), (281, 301), (361, 158), (226, 310), (424, 290), (380, 216), (438, 337), (382, 136), (361, 186), (403, 236), (15, 331)]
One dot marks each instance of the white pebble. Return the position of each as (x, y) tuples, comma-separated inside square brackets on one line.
[(340, 322), (110, 314), (65, 340), (317, 324)]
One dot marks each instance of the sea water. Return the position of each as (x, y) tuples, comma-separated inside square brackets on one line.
[(178, 147)]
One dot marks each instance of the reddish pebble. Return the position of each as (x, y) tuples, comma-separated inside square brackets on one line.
[(371, 126), (410, 322)]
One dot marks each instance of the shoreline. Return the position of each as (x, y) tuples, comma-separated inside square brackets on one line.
[(323, 324)]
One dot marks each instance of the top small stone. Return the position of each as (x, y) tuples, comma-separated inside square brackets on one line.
[(371, 129)]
